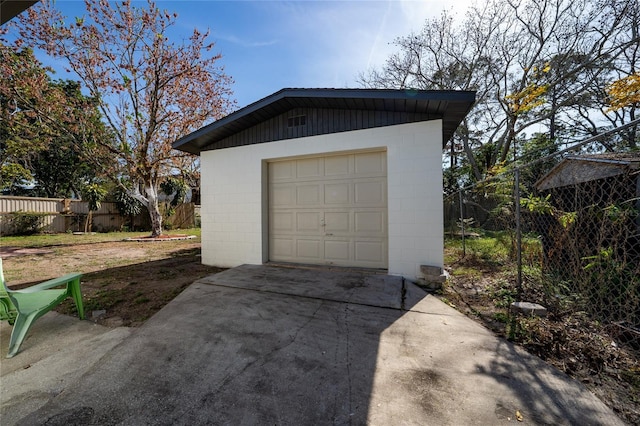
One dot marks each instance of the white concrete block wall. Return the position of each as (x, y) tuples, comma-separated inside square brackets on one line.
[(232, 193)]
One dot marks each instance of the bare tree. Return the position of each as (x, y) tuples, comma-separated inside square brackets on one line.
[(151, 90), (533, 63)]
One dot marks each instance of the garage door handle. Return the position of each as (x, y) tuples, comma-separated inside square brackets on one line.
[(328, 235)]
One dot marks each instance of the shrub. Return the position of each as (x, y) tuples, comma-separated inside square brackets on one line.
[(26, 223)]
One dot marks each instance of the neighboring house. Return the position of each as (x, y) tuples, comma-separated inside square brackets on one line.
[(603, 180), (579, 169), (603, 192), (345, 177)]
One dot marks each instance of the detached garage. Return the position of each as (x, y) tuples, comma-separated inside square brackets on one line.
[(344, 177)]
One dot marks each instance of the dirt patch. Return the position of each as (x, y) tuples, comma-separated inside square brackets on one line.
[(123, 283), (161, 238), (7, 252)]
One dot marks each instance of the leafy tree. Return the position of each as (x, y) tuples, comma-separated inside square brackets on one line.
[(24, 87), (59, 170), (69, 162), (47, 128), (93, 193), (176, 188), (625, 92), (539, 146), (150, 90)]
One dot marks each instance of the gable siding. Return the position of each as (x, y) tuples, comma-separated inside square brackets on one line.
[(319, 121)]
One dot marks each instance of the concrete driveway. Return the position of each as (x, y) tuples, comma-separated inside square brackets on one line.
[(258, 345)]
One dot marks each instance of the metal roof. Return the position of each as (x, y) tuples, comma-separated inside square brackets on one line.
[(627, 158), (584, 168), (450, 106)]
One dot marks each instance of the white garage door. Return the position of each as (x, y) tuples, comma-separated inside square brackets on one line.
[(329, 210)]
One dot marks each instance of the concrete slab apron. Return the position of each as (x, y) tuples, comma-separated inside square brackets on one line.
[(264, 345), (59, 349)]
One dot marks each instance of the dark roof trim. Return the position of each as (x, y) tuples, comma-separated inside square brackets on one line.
[(451, 106), (613, 158), (9, 9)]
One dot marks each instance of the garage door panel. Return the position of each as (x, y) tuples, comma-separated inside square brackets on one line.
[(281, 171), (310, 167), (337, 251), (337, 193), (370, 163), (309, 249), (370, 192), (370, 223), (282, 248), (370, 251), (282, 195), (337, 166), (337, 222), (308, 194), (282, 222), (329, 210), (308, 222)]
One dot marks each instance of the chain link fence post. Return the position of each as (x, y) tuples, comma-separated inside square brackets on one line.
[(516, 197), (464, 246)]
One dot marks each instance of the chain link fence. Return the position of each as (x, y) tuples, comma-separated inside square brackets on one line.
[(563, 233)]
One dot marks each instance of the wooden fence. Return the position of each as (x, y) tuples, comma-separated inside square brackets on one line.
[(66, 215)]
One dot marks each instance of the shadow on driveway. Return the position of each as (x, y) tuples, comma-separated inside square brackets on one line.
[(273, 345)]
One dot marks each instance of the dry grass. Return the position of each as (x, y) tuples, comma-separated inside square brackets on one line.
[(129, 281)]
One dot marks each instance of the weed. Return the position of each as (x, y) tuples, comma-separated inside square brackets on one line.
[(502, 317), (466, 272), (502, 293), (448, 302), (105, 299)]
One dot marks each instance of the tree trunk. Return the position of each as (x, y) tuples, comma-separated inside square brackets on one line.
[(156, 220), (154, 210), (472, 160), (87, 223)]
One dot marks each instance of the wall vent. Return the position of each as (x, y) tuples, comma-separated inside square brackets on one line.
[(300, 120)]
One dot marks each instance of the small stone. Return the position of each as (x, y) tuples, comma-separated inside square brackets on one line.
[(529, 308), (430, 270), (95, 315), (433, 277), (113, 322)]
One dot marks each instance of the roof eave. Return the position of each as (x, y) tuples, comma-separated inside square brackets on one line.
[(546, 182), (196, 141), (9, 9)]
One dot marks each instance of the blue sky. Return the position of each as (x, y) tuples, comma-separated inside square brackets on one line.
[(269, 45)]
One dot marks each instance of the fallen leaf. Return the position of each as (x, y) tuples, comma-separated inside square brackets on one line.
[(519, 416)]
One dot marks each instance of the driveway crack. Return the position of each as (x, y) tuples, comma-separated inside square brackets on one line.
[(348, 359), (260, 361)]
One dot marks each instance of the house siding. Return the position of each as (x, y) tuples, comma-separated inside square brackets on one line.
[(234, 223), (319, 121)]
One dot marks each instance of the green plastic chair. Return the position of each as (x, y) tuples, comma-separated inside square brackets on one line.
[(22, 307)]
